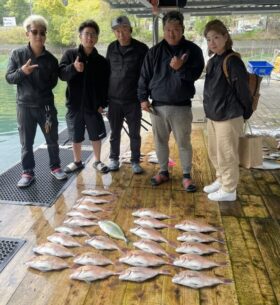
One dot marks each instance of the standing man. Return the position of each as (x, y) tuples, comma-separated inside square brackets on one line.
[(125, 57), (86, 73), (35, 72), (168, 74)]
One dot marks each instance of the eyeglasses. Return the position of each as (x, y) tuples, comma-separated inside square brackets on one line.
[(36, 32), (91, 35)]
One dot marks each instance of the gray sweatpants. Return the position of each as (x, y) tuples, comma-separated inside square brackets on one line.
[(177, 119)]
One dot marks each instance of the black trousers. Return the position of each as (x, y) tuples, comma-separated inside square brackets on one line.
[(28, 119), (116, 115)]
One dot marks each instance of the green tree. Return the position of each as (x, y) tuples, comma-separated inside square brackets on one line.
[(54, 12), (17, 8)]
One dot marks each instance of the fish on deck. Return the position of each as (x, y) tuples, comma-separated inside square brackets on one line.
[(196, 279), (140, 274), (46, 263), (91, 273)]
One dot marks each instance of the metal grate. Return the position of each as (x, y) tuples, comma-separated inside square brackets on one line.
[(45, 189), (8, 248)]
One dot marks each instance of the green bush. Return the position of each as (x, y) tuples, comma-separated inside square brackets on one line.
[(12, 35)]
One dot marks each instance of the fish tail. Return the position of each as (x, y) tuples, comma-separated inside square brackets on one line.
[(108, 209), (223, 264), (171, 256), (227, 281), (165, 271), (123, 250), (172, 244)]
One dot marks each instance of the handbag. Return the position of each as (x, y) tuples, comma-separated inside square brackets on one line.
[(250, 149)]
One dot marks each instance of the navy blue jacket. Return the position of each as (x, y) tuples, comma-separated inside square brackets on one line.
[(162, 83)]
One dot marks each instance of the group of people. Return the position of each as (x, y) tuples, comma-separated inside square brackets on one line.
[(132, 78)]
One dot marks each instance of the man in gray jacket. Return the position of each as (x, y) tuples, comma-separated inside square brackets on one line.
[(35, 72), (167, 77), (125, 57)]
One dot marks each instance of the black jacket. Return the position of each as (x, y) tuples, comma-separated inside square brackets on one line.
[(35, 89), (224, 101), (124, 71), (162, 83), (87, 89)]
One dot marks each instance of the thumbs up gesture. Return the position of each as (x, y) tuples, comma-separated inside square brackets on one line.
[(177, 62), (79, 66), (28, 68)]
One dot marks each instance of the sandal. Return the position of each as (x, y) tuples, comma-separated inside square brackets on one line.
[(101, 167), (188, 185), (159, 179), (72, 167)]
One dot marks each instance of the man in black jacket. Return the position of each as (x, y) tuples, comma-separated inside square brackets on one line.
[(86, 73), (35, 72), (125, 57), (168, 74)]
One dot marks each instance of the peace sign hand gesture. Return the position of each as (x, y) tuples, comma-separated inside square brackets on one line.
[(28, 68)]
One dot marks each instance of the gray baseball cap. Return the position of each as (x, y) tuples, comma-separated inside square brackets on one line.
[(121, 20)]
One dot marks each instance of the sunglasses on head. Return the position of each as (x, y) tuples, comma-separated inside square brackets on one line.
[(36, 32)]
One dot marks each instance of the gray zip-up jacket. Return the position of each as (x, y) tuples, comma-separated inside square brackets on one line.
[(35, 89)]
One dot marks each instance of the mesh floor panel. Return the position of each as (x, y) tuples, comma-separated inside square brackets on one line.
[(8, 248), (45, 189)]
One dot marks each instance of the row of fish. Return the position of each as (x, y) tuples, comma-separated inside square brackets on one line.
[(149, 254), (193, 246)]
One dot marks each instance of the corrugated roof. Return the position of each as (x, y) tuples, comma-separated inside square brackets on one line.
[(143, 8)]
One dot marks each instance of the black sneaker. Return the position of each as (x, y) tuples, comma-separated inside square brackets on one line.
[(25, 180)]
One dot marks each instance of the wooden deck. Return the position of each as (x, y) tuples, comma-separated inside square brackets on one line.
[(251, 230)]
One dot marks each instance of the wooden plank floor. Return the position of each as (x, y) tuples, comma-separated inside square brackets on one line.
[(251, 230)]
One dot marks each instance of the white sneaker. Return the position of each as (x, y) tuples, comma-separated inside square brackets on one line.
[(211, 188), (221, 195)]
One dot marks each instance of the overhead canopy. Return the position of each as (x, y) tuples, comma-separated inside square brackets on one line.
[(144, 8)]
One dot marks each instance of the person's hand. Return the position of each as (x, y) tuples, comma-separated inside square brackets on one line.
[(79, 66), (177, 62), (28, 68), (145, 105)]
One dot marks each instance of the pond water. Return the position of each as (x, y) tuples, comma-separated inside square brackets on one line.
[(9, 139)]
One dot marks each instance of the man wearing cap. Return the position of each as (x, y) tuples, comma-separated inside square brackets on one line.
[(125, 57), (167, 77)]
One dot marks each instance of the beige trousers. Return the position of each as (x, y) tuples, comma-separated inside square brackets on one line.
[(223, 141)]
